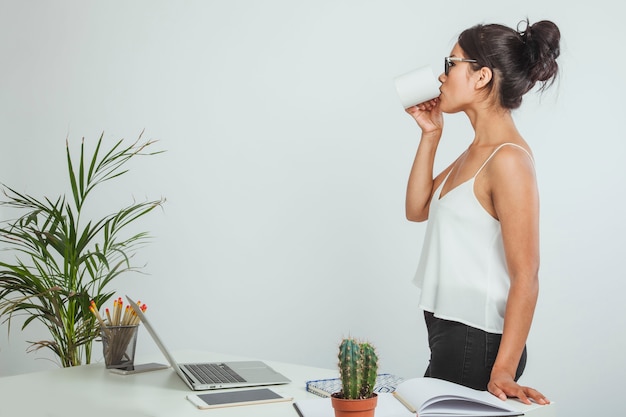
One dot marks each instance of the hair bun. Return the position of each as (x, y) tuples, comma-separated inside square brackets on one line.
[(542, 41)]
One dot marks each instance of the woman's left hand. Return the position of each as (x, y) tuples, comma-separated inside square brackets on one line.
[(503, 386)]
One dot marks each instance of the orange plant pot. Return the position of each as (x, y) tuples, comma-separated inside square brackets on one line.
[(354, 408)]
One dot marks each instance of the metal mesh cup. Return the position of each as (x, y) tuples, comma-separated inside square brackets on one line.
[(118, 346)]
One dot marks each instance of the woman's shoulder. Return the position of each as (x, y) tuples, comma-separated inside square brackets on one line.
[(514, 149), (511, 159)]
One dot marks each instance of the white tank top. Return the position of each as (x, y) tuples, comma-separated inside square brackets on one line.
[(462, 271)]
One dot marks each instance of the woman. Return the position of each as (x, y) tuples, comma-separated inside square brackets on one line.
[(478, 271)]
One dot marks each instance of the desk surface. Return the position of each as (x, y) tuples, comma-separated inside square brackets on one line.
[(92, 391)]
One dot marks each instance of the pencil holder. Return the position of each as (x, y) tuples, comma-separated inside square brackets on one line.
[(118, 346)]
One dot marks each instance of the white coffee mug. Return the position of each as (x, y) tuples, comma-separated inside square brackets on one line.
[(417, 86)]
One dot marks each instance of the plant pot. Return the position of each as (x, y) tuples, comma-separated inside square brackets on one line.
[(354, 408)]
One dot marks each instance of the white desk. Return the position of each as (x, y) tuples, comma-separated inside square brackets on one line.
[(92, 391)]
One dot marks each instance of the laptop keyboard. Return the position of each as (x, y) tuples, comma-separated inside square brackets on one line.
[(214, 373)]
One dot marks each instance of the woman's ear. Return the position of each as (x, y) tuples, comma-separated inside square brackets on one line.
[(484, 77)]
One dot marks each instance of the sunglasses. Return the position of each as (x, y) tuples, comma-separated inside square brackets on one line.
[(450, 60)]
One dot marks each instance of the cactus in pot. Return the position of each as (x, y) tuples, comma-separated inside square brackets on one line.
[(358, 367)]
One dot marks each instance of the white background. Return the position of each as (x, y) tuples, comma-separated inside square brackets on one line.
[(286, 166)]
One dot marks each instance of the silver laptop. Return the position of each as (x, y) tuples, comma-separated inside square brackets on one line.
[(215, 375)]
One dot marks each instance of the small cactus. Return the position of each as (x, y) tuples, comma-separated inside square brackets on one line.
[(370, 369), (358, 367)]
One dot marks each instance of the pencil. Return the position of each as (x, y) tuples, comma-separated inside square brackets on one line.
[(126, 318), (117, 308), (404, 402), (94, 310)]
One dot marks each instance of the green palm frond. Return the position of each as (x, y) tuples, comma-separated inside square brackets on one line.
[(62, 262)]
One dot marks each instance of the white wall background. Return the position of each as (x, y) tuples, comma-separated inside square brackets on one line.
[(286, 164)]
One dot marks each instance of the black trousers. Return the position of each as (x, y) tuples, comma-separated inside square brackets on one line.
[(463, 354)]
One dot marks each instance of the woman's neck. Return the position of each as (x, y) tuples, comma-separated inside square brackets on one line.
[(493, 126)]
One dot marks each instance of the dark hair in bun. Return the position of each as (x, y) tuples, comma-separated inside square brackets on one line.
[(519, 58)]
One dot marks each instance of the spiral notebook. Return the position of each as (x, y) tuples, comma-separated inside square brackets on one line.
[(325, 387)]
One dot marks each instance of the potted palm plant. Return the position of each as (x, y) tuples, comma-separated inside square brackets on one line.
[(358, 367), (60, 261)]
